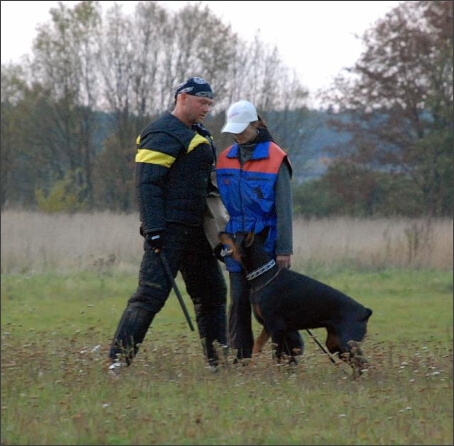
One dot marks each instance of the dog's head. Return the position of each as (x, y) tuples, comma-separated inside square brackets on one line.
[(235, 244), (246, 248)]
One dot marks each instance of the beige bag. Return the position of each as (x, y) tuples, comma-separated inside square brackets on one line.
[(216, 216)]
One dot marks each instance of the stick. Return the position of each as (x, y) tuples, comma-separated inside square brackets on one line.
[(175, 288)]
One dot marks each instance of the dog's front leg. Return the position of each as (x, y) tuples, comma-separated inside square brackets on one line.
[(278, 345), (260, 341), (264, 335)]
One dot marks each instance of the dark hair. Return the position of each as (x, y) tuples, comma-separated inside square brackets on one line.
[(261, 122)]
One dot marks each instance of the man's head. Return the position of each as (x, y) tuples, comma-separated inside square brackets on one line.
[(195, 86), (193, 100)]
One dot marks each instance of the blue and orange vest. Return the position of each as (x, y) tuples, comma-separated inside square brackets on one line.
[(248, 192)]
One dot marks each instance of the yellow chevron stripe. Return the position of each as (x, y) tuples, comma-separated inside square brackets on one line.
[(198, 139), (153, 157)]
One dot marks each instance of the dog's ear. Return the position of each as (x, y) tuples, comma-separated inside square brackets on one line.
[(264, 234), (249, 239)]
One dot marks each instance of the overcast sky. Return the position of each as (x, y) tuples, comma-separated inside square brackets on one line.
[(316, 38)]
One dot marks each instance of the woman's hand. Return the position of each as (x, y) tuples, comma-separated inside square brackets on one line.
[(284, 261)]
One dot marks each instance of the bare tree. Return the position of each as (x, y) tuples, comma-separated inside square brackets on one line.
[(96, 79)]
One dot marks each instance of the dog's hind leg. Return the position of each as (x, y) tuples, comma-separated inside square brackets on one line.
[(351, 353), (357, 359), (332, 341), (345, 339), (348, 351)]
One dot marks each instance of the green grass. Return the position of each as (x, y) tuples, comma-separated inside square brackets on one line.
[(56, 330)]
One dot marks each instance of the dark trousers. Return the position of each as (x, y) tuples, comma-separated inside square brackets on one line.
[(241, 337), (188, 251)]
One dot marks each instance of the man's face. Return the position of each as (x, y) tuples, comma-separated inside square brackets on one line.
[(195, 107)]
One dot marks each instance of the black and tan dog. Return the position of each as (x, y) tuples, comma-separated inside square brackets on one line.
[(284, 300)]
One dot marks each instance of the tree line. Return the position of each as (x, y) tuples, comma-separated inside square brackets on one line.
[(71, 112)]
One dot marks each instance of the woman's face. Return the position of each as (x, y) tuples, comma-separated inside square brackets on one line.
[(247, 135)]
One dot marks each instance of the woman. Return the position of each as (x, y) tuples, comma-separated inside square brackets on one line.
[(253, 177)]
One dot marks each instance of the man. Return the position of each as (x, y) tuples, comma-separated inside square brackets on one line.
[(174, 161)]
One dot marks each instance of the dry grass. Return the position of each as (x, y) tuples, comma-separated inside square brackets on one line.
[(37, 242), (374, 243)]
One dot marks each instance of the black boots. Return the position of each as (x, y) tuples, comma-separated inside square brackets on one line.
[(131, 331)]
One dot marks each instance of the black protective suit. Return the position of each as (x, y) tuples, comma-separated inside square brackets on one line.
[(173, 168)]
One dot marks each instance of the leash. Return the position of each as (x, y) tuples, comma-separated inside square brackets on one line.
[(336, 363), (321, 346)]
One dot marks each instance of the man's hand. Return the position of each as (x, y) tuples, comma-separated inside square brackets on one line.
[(155, 240)]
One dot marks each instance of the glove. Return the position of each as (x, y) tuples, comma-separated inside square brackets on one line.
[(155, 239)]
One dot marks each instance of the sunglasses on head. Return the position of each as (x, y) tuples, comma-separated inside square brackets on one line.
[(204, 94)]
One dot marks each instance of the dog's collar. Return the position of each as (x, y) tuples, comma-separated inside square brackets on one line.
[(259, 271)]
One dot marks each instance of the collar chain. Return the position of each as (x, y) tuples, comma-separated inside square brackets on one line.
[(261, 270)]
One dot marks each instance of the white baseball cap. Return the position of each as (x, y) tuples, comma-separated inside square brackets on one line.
[(239, 116)]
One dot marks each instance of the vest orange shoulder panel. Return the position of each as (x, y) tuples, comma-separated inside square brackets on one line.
[(270, 164)]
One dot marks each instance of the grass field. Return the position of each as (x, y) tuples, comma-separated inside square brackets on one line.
[(57, 324)]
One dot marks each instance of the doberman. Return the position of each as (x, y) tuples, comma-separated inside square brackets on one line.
[(285, 300)]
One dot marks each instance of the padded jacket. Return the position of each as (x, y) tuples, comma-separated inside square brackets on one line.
[(173, 167)]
